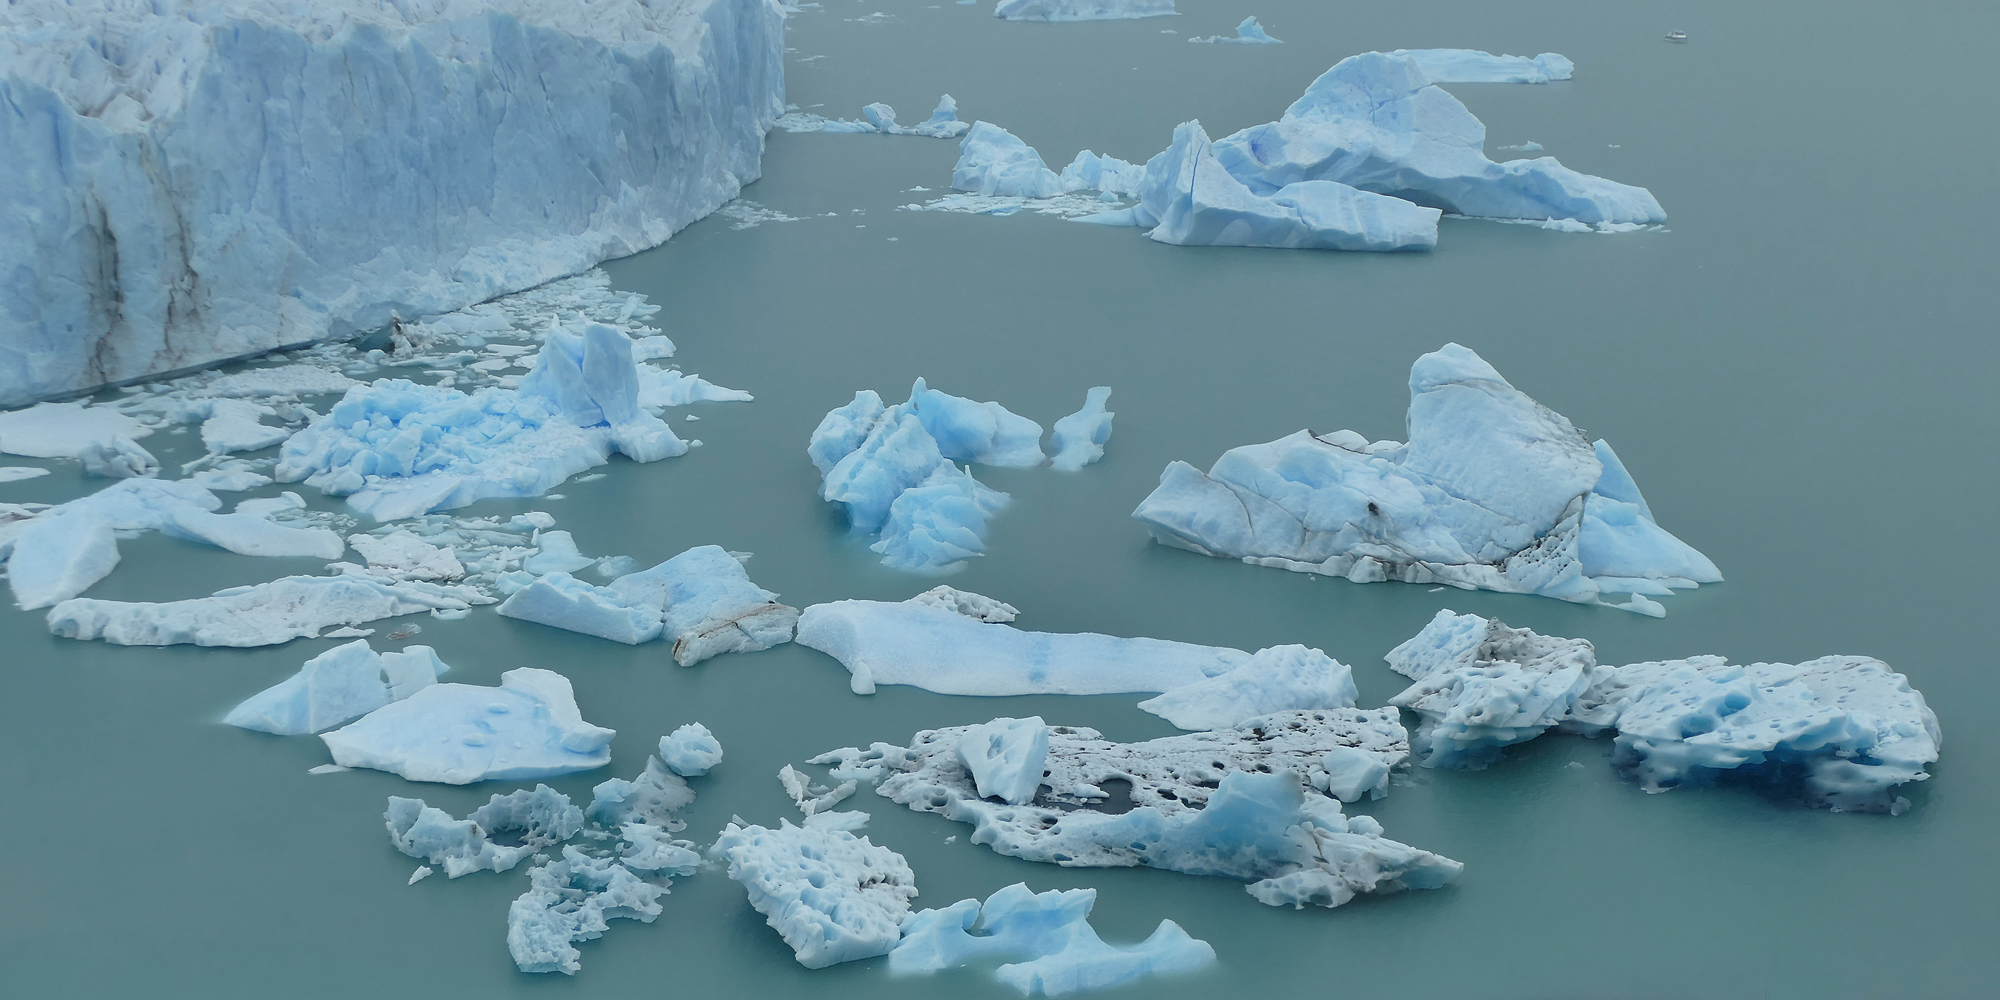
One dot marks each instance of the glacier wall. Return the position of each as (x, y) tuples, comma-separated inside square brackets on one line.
[(193, 180)]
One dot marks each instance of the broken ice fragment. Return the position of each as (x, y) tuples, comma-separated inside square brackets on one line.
[(1048, 938), (1079, 438), (1272, 680), (832, 896), (691, 750), (528, 727), (494, 837), (339, 685)]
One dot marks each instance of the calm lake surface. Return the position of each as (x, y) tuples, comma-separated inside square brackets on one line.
[(1800, 374)]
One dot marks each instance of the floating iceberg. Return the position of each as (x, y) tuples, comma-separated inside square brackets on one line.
[(1237, 803), (951, 653), (993, 161), (691, 750), (1079, 438), (527, 820), (942, 124), (1048, 938), (235, 425), (340, 685), (264, 614), (60, 552), (832, 896), (1493, 491), (61, 430), (404, 556), (1247, 33), (615, 128), (1473, 66), (1481, 686), (1080, 10), (1277, 679), (1005, 758), (702, 600), (572, 900), (528, 727)]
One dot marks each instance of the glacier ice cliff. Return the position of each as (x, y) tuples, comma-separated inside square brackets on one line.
[(193, 181), (1047, 939), (1493, 491)]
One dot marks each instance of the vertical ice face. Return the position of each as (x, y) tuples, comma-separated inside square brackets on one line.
[(169, 160)]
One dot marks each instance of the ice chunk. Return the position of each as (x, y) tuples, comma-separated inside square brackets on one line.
[(261, 615), (16, 473), (57, 558), (709, 605), (691, 750), (810, 798), (523, 822), (968, 431), (1481, 686), (1491, 492), (649, 850), (832, 896), (118, 458), (404, 556), (528, 727), (1080, 10), (950, 653), (1623, 549), (1005, 757), (1352, 772), (1274, 680), (555, 552), (337, 686), (942, 124), (1473, 66), (235, 425), (993, 161), (1247, 33), (1048, 937), (250, 535), (565, 602), (1107, 174), (977, 607), (934, 526), (62, 430), (651, 799), (1079, 438), (569, 901)]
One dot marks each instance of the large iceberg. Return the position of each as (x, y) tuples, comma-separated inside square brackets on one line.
[(1243, 803), (832, 896), (340, 685), (263, 614), (1080, 10), (1047, 939), (1493, 491), (181, 186), (701, 600), (528, 727)]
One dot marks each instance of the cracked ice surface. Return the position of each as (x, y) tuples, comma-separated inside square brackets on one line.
[(1493, 491)]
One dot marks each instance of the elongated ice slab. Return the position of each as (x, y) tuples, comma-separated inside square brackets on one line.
[(832, 896), (1493, 491), (340, 685), (528, 727), (1474, 66), (1046, 940), (264, 614), (1277, 679), (1080, 10)]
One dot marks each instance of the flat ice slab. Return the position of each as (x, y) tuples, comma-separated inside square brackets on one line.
[(950, 653), (528, 727), (1046, 940), (264, 614), (340, 685), (832, 896), (1493, 491)]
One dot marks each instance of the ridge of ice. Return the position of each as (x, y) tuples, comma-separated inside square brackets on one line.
[(263, 614), (338, 686), (456, 734), (832, 896), (1048, 938)]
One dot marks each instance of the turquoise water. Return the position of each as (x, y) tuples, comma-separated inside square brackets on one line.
[(1799, 374)]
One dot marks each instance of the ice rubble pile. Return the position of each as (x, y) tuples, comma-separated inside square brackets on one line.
[(456, 734), (1846, 730), (1046, 940), (511, 142), (1080, 10), (1367, 159), (1493, 491), (1247, 33), (881, 118), (701, 600), (263, 614), (340, 685), (530, 820), (832, 896), (894, 468), (1243, 803)]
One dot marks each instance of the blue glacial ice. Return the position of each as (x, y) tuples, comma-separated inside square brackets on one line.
[(944, 651), (881, 118), (702, 601), (456, 734), (1080, 10), (1247, 33), (651, 799), (61, 551), (993, 161), (1493, 491), (1005, 758), (939, 522), (1244, 803), (691, 750), (1046, 940), (628, 122), (1481, 686), (494, 837), (340, 685), (1277, 679), (1079, 439), (263, 614), (832, 896), (1474, 66)]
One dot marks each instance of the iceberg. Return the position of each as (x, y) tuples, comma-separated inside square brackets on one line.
[(572, 900), (235, 425), (62, 430), (337, 686), (528, 820), (1249, 32), (1005, 758), (1481, 686), (1241, 803), (878, 117), (1079, 438), (404, 556), (1473, 66), (832, 896), (1277, 679), (63, 550), (1493, 491), (118, 458), (1048, 938), (456, 734), (691, 751), (263, 614), (950, 653), (993, 161), (702, 600), (1080, 10), (166, 215), (651, 799), (934, 526)]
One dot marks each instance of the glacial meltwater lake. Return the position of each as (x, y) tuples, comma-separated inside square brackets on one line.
[(1800, 373)]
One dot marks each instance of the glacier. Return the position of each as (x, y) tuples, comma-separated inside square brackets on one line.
[(263, 614), (832, 896), (1493, 491), (1048, 939), (1246, 803), (1080, 10), (1249, 32), (337, 686), (701, 600), (456, 734), (176, 198)]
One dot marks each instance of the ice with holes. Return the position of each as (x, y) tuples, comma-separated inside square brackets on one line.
[(977, 607), (263, 614), (1493, 491), (337, 686), (494, 837), (832, 896), (1276, 679), (1046, 941), (701, 600), (1244, 803), (456, 734)]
